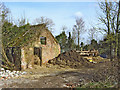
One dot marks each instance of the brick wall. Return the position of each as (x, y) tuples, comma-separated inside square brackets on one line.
[(49, 51)]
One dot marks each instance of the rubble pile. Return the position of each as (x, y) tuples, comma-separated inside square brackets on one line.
[(6, 74), (71, 59)]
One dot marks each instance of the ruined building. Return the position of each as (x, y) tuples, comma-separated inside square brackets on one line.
[(40, 47)]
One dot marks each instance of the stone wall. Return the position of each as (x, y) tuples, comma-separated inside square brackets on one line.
[(49, 51), (23, 62)]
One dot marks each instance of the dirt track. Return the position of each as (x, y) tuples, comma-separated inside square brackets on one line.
[(56, 77)]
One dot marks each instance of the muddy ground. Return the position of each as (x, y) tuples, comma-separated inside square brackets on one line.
[(103, 74)]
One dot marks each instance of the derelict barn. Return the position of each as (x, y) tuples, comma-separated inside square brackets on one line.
[(40, 47)]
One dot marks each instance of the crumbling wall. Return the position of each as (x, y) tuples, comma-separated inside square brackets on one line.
[(14, 57), (23, 59), (49, 51), (27, 57)]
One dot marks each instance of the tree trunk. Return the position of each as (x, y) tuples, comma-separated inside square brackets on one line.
[(108, 27), (110, 51), (117, 27), (118, 46), (78, 40)]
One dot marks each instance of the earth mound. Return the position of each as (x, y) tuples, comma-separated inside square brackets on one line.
[(71, 59)]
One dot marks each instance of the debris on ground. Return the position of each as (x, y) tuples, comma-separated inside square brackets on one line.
[(73, 59), (6, 74), (78, 72), (103, 75)]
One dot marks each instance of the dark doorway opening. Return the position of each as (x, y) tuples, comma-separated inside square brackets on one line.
[(38, 52), (14, 56)]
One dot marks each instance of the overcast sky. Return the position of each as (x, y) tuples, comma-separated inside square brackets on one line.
[(62, 13)]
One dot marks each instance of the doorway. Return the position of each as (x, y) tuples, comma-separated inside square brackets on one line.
[(14, 56), (38, 52)]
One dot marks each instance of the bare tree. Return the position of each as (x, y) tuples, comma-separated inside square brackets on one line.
[(64, 28), (92, 32), (4, 11), (74, 35), (44, 20), (74, 38), (79, 28), (117, 31), (109, 18), (21, 21)]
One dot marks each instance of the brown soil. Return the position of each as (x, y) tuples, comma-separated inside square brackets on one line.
[(71, 59), (69, 69), (55, 77)]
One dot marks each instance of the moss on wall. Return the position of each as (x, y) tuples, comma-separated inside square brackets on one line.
[(49, 51)]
